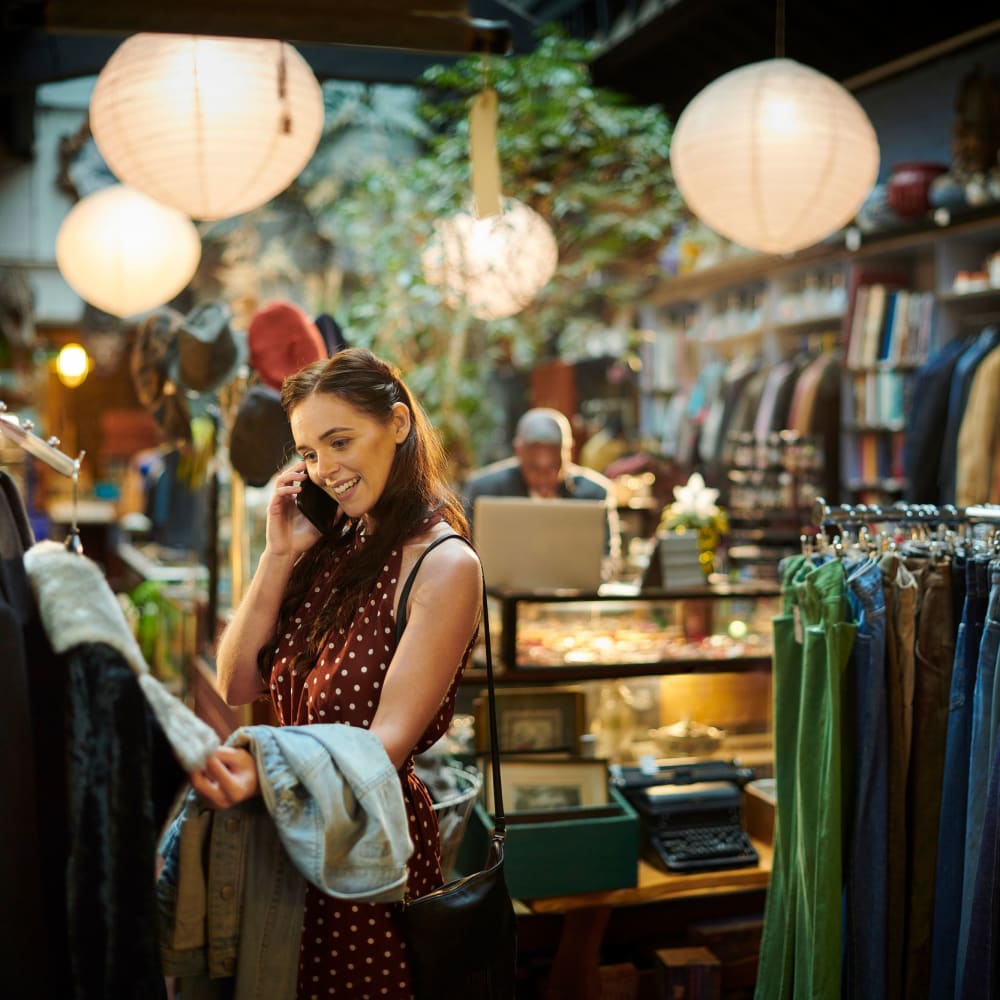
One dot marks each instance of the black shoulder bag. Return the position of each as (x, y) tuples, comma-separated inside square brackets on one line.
[(462, 938)]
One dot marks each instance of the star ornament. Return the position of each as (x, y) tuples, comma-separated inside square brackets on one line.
[(695, 500)]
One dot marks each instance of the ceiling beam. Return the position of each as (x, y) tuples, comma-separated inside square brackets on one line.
[(436, 26)]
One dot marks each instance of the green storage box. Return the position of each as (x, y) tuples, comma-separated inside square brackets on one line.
[(561, 857)]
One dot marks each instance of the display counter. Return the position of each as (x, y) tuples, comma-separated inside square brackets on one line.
[(613, 632)]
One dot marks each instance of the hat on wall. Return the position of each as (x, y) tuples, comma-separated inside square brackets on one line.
[(153, 366), (172, 416), (333, 335), (261, 441), (281, 339), (209, 352), (154, 354)]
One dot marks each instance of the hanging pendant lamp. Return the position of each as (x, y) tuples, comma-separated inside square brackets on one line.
[(126, 253), (495, 265), (775, 156), (498, 256), (211, 126)]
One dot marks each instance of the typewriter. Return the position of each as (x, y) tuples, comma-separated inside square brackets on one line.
[(690, 814)]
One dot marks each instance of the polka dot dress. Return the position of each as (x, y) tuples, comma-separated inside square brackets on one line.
[(355, 949)]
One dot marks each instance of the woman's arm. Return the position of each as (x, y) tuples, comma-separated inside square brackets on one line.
[(252, 625), (444, 609), (288, 535)]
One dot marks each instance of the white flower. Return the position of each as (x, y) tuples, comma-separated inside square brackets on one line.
[(695, 499)]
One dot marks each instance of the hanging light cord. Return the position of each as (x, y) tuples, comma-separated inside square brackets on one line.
[(779, 30), (286, 117)]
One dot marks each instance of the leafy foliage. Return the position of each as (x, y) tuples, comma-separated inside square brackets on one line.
[(393, 160)]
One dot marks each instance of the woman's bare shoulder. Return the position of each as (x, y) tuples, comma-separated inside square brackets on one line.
[(446, 559)]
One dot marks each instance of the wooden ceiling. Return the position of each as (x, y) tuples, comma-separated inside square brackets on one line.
[(657, 51)]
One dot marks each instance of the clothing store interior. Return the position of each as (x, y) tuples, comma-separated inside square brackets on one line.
[(686, 314)]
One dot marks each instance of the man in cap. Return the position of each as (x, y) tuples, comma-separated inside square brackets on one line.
[(541, 467)]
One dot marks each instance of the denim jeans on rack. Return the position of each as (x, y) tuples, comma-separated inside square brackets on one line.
[(980, 977), (955, 785), (901, 596), (934, 653), (866, 790), (980, 758)]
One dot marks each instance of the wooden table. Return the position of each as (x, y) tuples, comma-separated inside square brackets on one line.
[(574, 973)]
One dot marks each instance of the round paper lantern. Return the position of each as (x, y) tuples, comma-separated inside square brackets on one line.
[(124, 252), (774, 155), (494, 265), (212, 126)]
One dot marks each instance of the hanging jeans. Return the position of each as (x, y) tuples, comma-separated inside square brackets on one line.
[(934, 652), (865, 789), (802, 930), (901, 597), (981, 974), (955, 786), (980, 759)]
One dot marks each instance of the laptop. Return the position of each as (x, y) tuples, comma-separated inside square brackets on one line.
[(528, 544)]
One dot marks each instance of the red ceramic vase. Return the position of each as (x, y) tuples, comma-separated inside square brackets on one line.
[(909, 186)]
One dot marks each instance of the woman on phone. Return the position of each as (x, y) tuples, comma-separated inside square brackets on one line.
[(316, 630)]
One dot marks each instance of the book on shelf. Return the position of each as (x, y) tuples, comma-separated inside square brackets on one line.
[(874, 456), (866, 312), (891, 326), (876, 399)]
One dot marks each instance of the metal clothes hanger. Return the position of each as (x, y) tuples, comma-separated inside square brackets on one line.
[(22, 434)]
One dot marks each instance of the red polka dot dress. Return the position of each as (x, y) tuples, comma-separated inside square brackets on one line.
[(352, 949)]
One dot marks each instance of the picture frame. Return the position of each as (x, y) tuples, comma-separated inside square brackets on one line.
[(531, 720), (552, 785)]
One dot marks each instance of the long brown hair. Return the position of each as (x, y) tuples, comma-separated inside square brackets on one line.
[(416, 488)]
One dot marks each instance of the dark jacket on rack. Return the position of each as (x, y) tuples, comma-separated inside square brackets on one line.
[(109, 775), (923, 439), (958, 395), (24, 938)]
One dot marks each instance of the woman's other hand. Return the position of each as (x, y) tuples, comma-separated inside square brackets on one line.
[(229, 777), (289, 531)]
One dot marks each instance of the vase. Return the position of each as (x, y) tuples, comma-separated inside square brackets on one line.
[(909, 187)]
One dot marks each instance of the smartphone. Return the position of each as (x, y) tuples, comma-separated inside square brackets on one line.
[(318, 506)]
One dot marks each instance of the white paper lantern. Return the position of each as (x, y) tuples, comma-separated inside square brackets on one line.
[(774, 155), (496, 265), (124, 252), (212, 126)]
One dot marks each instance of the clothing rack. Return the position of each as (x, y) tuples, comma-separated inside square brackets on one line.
[(22, 434), (825, 515)]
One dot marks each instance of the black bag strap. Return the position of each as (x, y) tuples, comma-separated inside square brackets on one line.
[(499, 821)]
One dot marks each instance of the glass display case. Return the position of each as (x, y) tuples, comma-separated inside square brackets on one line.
[(563, 635), (663, 674)]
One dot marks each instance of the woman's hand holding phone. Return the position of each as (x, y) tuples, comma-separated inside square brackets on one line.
[(289, 529)]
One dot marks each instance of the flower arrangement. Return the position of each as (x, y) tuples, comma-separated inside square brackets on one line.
[(695, 509)]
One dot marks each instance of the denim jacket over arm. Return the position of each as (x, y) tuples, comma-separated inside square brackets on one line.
[(331, 810)]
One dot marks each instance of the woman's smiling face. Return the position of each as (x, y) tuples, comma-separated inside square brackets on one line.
[(347, 453)]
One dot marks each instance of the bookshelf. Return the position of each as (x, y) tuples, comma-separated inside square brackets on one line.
[(884, 301)]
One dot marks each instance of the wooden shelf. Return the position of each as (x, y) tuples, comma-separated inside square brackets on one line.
[(883, 366), (979, 297), (883, 485), (895, 428), (575, 674), (814, 324), (744, 270)]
